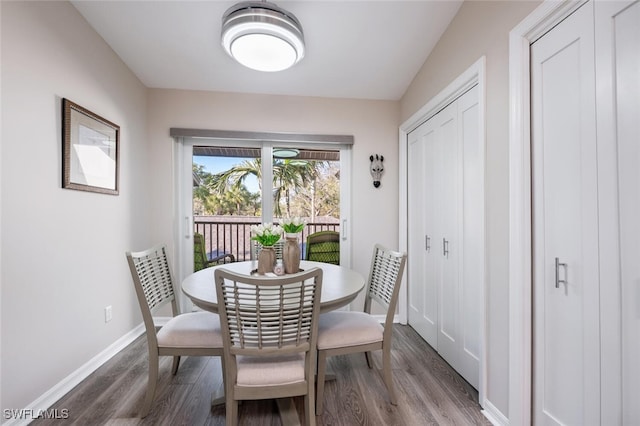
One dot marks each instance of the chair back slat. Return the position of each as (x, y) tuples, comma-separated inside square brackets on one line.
[(152, 273), (267, 314), (384, 279)]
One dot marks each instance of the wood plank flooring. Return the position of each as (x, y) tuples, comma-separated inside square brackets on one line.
[(429, 392)]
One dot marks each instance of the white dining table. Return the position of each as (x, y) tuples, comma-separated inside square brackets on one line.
[(340, 286)]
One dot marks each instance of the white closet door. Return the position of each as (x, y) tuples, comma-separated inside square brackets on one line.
[(422, 196), (448, 245), (446, 238), (627, 54), (566, 288), (471, 174), (462, 242), (618, 73)]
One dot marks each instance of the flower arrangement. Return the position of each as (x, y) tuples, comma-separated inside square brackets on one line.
[(293, 225), (266, 234)]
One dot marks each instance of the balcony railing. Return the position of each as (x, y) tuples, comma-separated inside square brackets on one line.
[(232, 236)]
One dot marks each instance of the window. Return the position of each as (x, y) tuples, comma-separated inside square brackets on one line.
[(226, 181)]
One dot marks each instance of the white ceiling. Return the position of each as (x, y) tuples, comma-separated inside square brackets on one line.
[(355, 49)]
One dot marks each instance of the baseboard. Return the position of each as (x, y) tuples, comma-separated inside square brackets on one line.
[(40, 407), (494, 415)]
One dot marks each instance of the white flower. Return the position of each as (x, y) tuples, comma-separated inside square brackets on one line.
[(266, 234), (293, 225)]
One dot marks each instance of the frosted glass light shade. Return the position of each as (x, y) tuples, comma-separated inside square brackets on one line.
[(263, 52), (262, 36)]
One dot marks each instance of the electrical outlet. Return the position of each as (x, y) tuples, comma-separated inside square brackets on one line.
[(108, 313)]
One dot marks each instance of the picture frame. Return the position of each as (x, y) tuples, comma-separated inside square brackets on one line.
[(90, 151)]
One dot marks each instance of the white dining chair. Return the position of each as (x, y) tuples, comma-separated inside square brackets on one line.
[(269, 328), (347, 332), (189, 334)]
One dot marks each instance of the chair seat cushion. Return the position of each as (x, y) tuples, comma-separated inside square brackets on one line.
[(192, 330), (340, 329), (274, 370)]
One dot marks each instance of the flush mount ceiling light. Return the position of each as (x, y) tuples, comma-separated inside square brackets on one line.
[(285, 152), (262, 36)]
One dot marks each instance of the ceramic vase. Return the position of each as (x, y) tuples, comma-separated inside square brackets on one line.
[(291, 254), (266, 260)]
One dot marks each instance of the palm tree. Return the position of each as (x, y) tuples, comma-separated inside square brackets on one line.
[(288, 175), (291, 175), (235, 176), (208, 199)]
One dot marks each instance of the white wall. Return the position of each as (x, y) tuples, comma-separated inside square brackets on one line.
[(63, 250), (482, 28), (374, 125)]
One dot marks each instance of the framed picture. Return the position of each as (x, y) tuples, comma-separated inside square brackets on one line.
[(90, 150)]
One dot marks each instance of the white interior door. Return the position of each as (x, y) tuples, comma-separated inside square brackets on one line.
[(471, 174), (446, 238), (627, 54), (566, 364), (422, 240), (449, 248), (618, 76)]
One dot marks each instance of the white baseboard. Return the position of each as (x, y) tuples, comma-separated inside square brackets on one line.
[(494, 415), (50, 397)]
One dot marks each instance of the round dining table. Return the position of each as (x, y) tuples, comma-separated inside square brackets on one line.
[(340, 285)]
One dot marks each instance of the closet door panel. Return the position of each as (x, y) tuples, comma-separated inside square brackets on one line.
[(423, 274), (617, 36), (566, 305), (472, 235), (626, 27), (431, 220), (448, 244)]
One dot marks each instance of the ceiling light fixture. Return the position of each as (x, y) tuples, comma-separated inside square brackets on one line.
[(285, 152), (262, 36)]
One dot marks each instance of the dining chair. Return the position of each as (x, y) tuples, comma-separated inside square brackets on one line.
[(269, 328), (200, 258), (323, 246), (347, 332), (189, 334)]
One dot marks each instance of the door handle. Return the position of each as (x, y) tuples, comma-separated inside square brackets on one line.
[(558, 280), (427, 243), (188, 227), (445, 247)]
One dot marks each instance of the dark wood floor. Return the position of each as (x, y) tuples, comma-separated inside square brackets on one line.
[(430, 392)]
